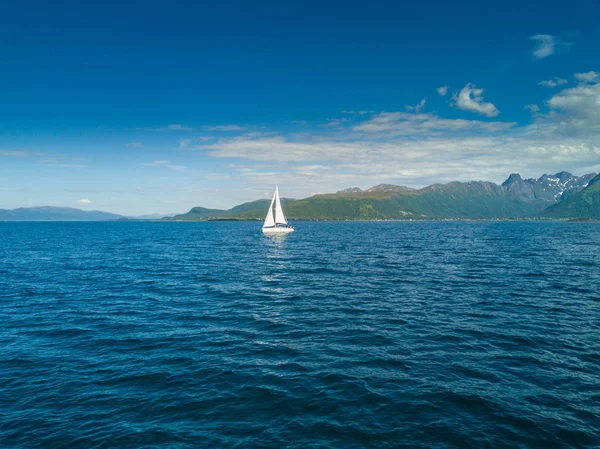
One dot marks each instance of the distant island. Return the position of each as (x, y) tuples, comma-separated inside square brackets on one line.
[(52, 213), (558, 196)]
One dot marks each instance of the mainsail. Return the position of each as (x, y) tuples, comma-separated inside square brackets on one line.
[(279, 217), (270, 219)]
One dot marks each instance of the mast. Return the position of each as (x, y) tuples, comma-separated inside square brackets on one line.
[(279, 217)]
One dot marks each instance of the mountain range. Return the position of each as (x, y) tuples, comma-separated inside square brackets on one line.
[(558, 196), (514, 198), (51, 213), (584, 204)]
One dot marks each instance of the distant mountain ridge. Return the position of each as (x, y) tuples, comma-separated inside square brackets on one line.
[(377, 188), (514, 198), (51, 213), (582, 204), (558, 196), (547, 187)]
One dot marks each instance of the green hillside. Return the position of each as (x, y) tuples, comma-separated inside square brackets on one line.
[(515, 198), (352, 206), (253, 210), (472, 200), (197, 213), (584, 204)]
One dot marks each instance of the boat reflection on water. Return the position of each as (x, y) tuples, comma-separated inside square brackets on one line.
[(277, 259)]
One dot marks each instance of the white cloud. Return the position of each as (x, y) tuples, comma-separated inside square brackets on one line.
[(471, 99), (187, 144), (442, 90), (418, 149), (262, 149), (545, 44), (415, 148), (533, 108), (84, 201), (588, 77), (575, 110), (300, 122), (164, 164), (134, 145), (418, 108), (335, 122), (323, 165), (553, 82), (225, 128), (175, 127), (407, 124), (70, 165), (155, 163)]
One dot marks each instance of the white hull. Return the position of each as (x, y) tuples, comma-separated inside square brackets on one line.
[(277, 230), (275, 217)]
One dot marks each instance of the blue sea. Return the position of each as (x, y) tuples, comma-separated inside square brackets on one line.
[(340, 335)]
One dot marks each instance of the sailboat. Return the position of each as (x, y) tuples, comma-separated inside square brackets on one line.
[(275, 222)]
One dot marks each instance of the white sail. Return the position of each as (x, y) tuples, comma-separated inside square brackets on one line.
[(275, 222), (270, 219), (279, 217)]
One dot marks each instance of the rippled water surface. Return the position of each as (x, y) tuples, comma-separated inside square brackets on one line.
[(188, 335)]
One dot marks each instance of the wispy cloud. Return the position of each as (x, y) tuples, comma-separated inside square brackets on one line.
[(442, 90), (225, 128), (418, 107), (155, 163), (177, 167), (587, 77), (166, 164), (70, 165), (14, 153), (134, 145), (407, 124), (533, 108), (84, 201), (299, 122), (553, 82), (175, 127), (544, 45), (187, 144), (335, 122), (471, 99)]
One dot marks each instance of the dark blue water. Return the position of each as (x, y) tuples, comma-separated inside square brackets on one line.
[(341, 335)]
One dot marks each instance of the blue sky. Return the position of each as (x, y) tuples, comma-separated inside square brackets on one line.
[(156, 107)]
